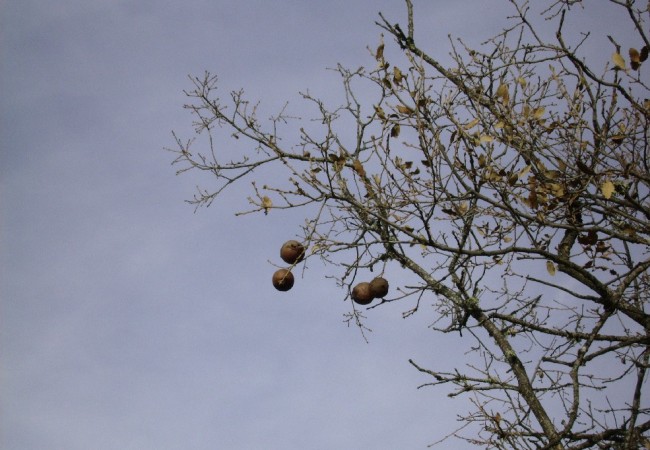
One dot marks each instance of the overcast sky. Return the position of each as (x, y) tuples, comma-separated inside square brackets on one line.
[(127, 321)]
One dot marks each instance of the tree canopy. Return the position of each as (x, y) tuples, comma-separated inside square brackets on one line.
[(513, 188)]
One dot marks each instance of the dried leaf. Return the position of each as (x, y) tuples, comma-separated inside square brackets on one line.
[(486, 138), (619, 61), (617, 138), (405, 109), (588, 239), (556, 189), (379, 54), (267, 204), (471, 124), (358, 168), (503, 94), (551, 268), (394, 132), (397, 75), (538, 112), (607, 189), (644, 53), (524, 171), (585, 168), (635, 58), (380, 113)]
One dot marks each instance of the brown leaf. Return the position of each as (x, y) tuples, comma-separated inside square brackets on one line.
[(358, 168), (635, 58), (405, 109), (397, 75), (588, 239), (644, 53), (379, 54), (585, 168), (380, 113), (617, 138), (394, 132)]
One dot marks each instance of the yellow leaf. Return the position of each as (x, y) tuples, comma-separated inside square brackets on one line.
[(524, 171), (538, 112), (486, 138), (503, 94), (522, 81), (405, 109), (619, 61), (499, 125), (266, 204), (556, 189), (507, 239), (550, 267), (607, 189), (470, 124)]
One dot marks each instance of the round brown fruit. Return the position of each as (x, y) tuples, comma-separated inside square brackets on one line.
[(362, 294), (379, 287), (292, 252), (283, 280)]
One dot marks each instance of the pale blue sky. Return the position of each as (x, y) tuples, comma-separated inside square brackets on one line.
[(129, 322)]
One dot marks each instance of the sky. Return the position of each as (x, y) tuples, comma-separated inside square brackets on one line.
[(130, 321)]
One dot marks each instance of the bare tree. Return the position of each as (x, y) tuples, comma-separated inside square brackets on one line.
[(513, 186)]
